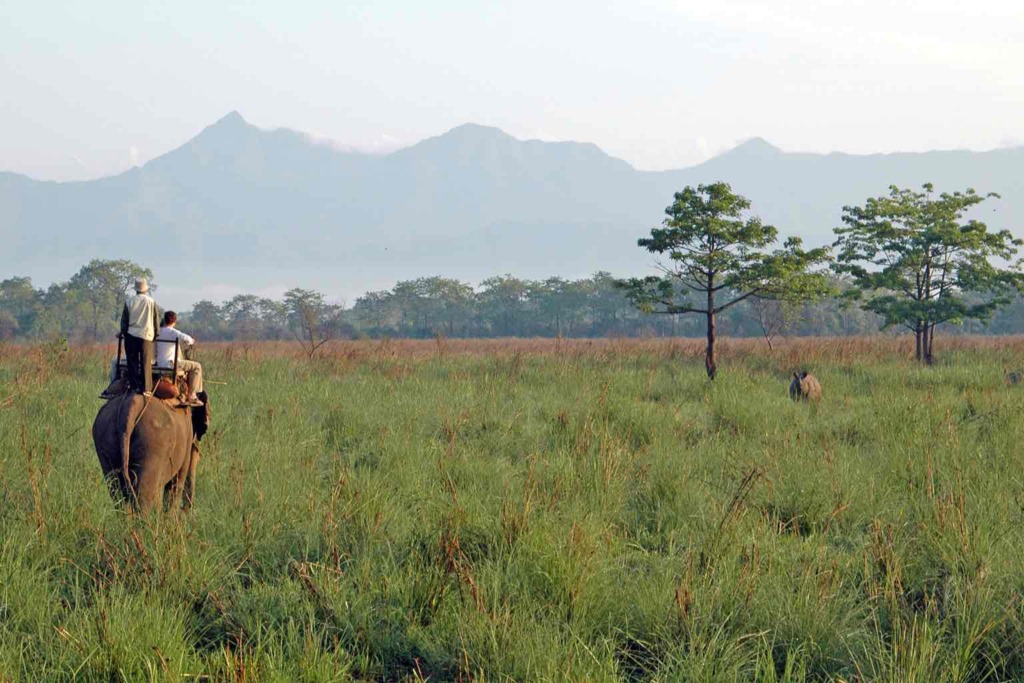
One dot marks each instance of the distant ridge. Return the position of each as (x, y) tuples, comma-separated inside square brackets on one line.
[(249, 206)]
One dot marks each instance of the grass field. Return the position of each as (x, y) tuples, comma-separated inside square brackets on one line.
[(536, 510)]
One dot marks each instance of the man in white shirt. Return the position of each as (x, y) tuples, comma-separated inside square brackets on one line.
[(165, 356), (138, 328)]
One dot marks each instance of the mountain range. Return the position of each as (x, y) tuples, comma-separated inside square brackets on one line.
[(239, 208)]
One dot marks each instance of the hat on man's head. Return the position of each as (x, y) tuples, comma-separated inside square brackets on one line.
[(141, 286)]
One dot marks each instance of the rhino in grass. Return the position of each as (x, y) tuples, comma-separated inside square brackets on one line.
[(148, 449), (804, 386)]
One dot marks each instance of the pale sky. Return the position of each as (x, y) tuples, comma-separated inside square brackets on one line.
[(91, 88)]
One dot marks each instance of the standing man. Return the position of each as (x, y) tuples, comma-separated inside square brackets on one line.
[(139, 322), (171, 336)]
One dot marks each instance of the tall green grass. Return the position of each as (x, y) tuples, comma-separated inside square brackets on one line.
[(598, 514)]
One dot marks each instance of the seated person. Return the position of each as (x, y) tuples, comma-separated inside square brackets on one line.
[(165, 356)]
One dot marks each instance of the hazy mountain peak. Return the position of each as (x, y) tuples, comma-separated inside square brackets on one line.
[(756, 146), (222, 140), (477, 130), (230, 125), (492, 146), (470, 140), (232, 118), (469, 135)]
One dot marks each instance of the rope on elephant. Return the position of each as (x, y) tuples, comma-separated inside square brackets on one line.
[(120, 412), (141, 412)]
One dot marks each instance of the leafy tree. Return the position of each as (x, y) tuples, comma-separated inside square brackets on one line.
[(427, 305), (608, 304), (503, 301), (406, 297), (8, 326), (314, 322), (713, 251), (242, 315), (63, 314), (207, 320), (275, 318), (560, 303), (374, 307), (449, 301), (773, 316), (915, 261), (252, 317), (102, 286), (21, 302)]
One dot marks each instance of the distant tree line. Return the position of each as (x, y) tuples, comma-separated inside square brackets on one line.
[(506, 306), (87, 307)]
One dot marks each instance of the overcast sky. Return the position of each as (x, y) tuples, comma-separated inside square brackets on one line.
[(90, 88)]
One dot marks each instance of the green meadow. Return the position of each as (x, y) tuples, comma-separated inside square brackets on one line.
[(530, 511)]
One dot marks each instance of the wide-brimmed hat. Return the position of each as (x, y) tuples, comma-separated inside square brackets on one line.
[(141, 286)]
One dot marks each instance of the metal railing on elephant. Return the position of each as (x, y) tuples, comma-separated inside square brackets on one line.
[(156, 369)]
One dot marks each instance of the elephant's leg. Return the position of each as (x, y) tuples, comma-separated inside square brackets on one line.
[(172, 492), (115, 486), (130, 487), (112, 472)]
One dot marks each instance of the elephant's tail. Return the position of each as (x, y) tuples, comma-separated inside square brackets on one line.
[(129, 417)]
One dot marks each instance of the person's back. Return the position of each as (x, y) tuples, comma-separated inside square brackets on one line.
[(141, 314), (166, 340)]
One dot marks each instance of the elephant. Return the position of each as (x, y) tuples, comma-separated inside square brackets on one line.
[(147, 446)]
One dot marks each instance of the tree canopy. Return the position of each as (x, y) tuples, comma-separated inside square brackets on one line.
[(312, 320), (102, 285), (717, 259), (916, 261)]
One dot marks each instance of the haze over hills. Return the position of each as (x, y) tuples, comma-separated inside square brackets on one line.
[(239, 208)]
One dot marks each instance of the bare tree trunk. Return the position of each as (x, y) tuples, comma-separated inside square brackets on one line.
[(930, 341), (918, 350), (710, 361)]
